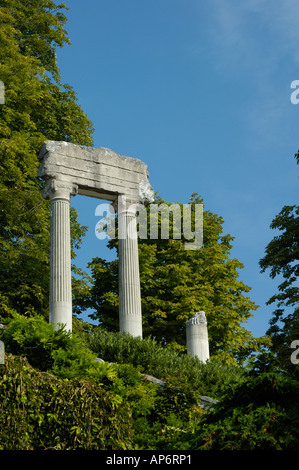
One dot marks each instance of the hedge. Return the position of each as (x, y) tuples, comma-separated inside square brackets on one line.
[(155, 359), (39, 411)]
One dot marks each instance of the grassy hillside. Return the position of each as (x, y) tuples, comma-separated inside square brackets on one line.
[(54, 393)]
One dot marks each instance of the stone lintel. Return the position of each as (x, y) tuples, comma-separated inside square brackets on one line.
[(98, 172)]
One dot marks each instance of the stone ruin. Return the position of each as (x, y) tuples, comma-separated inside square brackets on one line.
[(197, 337), (70, 169)]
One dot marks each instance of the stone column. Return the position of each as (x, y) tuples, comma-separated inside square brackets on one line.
[(60, 301), (197, 337), (130, 317), (2, 353)]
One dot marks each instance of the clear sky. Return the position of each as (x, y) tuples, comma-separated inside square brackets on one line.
[(199, 90)]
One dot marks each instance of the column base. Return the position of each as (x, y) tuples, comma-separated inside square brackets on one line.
[(131, 325), (61, 314)]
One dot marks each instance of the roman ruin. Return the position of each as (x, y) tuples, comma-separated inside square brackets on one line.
[(70, 169)]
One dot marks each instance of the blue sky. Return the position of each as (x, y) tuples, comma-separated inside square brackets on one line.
[(200, 91)]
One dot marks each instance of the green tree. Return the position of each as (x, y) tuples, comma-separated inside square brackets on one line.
[(37, 107), (175, 283), (282, 259), (260, 412)]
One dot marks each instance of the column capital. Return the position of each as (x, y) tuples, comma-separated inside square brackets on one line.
[(197, 319), (125, 205), (59, 189)]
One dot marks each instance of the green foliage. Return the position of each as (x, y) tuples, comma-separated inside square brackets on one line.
[(64, 354), (175, 283), (38, 411), (35, 339), (72, 401), (261, 413), (166, 364), (37, 107), (282, 259), (67, 357), (251, 428)]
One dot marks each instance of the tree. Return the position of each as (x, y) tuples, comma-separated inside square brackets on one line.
[(37, 107), (260, 412), (175, 283), (282, 258)]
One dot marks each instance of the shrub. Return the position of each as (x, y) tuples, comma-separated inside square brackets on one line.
[(154, 359), (36, 339), (67, 356), (155, 417), (262, 413), (41, 411)]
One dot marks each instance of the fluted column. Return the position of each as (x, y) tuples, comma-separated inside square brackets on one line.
[(130, 316), (60, 300), (197, 337), (2, 353)]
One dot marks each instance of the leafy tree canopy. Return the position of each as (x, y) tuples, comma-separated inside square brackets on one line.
[(282, 259), (37, 107), (175, 283)]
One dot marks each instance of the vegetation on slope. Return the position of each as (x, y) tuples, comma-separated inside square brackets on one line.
[(55, 394)]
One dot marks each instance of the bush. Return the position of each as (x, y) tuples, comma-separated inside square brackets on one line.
[(40, 411), (154, 359), (66, 356), (262, 413), (74, 401), (36, 339)]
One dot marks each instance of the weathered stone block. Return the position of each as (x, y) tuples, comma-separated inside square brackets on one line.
[(98, 172)]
